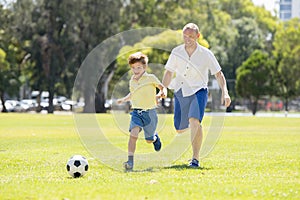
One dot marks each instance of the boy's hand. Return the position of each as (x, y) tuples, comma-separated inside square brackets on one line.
[(162, 95), (119, 101), (163, 92)]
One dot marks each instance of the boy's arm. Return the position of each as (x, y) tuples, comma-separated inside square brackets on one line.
[(124, 99)]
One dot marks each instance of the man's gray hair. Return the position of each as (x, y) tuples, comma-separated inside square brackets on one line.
[(191, 26)]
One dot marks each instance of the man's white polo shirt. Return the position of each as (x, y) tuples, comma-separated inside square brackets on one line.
[(191, 73)]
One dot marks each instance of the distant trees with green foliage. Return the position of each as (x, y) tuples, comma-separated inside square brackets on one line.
[(45, 42), (254, 78), (287, 57)]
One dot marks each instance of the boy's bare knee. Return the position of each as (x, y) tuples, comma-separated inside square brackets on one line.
[(133, 137), (181, 131), (194, 120)]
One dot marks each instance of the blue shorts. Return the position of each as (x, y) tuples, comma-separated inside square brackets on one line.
[(189, 107), (146, 120)]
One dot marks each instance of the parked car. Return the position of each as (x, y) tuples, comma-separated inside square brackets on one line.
[(32, 104), (16, 106)]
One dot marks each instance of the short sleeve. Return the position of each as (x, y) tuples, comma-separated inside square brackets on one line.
[(171, 63), (155, 80)]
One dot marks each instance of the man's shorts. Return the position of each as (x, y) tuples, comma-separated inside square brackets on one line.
[(189, 107), (144, 119)]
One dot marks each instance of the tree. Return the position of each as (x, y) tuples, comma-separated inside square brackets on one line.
[(61, 34), (247, 28), (4, 79), (287, 55), (254, 78), (11, 58), (95, 27), (39, 23)]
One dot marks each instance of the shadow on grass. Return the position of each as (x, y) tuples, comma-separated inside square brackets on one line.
[(176, 167), (185, 167), (141, 170)]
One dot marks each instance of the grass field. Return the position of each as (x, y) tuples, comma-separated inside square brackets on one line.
[(255, 158)]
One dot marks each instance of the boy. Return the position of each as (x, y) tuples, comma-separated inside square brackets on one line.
[(143, 98)]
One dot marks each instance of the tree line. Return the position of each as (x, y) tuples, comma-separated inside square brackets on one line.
[(44, 42)]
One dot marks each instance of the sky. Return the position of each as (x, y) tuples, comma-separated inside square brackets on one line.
[(270, 5)]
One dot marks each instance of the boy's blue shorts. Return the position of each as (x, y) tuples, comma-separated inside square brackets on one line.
[(145, 119), (189, 107)]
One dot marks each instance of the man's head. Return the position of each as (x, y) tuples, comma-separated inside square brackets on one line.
[(191, 26), (190, 34)]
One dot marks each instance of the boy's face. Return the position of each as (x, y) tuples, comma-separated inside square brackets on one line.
[(138, 69)]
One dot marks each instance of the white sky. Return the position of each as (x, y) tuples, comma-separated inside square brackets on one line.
[(270, 5)]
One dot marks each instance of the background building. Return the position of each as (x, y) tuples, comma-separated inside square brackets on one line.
[(289, 9)]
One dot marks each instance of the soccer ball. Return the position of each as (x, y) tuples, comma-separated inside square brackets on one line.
[(77, 166)]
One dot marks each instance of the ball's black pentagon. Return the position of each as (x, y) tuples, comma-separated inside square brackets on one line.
[(77, 163), (86, 168), (77, 174), (68, 167)]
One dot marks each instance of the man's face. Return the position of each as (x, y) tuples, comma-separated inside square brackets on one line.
[(190, 37)]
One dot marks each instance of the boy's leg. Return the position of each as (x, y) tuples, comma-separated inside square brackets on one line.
[(150, 135), (131, 147), (132, 140)]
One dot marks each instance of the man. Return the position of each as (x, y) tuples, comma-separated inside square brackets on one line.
[(191, 64)]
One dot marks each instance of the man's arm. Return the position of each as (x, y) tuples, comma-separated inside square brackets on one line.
[(167, 78), (225, 99)]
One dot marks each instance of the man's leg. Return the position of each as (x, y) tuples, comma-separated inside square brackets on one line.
[(196, 137), (196, 113)]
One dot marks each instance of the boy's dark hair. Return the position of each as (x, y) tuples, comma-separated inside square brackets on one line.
[(138, 57)]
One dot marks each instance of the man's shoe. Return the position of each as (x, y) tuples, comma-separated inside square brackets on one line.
[(157, 143), (194, 163), (128, 166)]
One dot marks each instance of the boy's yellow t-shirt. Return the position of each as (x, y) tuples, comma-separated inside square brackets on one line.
[(143, 91)]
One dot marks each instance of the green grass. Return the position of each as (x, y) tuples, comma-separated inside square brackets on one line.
[(255, 158)]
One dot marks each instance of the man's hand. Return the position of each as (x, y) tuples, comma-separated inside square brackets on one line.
[(225, 100)]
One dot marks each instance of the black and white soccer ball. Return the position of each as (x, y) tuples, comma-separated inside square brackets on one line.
[(77, 166)]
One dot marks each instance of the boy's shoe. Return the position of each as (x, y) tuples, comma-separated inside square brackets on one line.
[(128, 166), (157, 143), (194, 163)]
